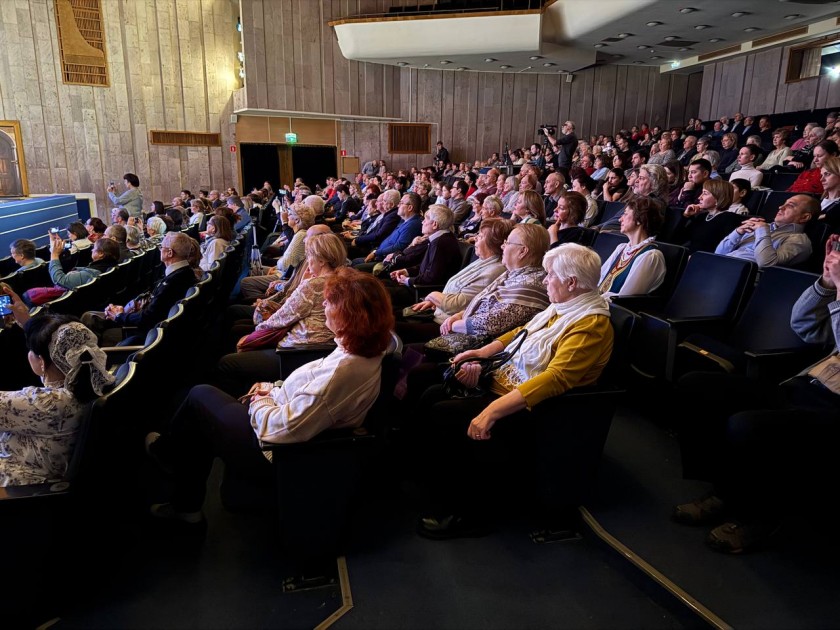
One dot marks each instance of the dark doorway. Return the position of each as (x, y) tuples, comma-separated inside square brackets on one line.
[(313, 164), (260, 163)]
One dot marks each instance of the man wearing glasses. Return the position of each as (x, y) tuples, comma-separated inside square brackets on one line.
[(146, 311)]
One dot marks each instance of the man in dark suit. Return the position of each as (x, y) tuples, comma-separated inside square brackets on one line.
[(746, 131), (441, 261), (175, 252), (343, 208)]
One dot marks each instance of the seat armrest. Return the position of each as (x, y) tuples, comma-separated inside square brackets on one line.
[(35, 490), (638, 303)]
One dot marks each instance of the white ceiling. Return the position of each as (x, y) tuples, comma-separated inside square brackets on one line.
[(570, 35)]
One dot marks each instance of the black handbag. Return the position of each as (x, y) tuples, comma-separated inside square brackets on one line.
[(455, 389)]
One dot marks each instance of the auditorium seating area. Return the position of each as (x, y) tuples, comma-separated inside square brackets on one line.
[(601, 455)]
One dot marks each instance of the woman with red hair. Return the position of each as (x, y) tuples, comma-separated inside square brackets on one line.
[(333, 392)]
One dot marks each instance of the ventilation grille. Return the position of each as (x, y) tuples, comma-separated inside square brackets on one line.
[(186, 138), (409, 138), (81, 41), (772, 39), (719, 53)]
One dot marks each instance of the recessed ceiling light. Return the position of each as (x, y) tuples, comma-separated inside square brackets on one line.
[(684, 49), (623, 35), (675, 64), (700, 27), (617, 56), (599, 45), (462, 68), (445, 62), (793, 16), (535, 57), (687, 10), (714, 40), (425, 65), (738, 14), (750, 29), (548, 64), (654, 24), (656, 57), (642, 47), (504, 67), (490, 60), (670, 38), (638, 62), (402, 64)]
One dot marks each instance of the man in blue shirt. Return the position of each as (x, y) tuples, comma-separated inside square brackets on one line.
[(409, 228)]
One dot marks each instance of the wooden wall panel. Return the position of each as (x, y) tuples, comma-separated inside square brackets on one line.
[(755, 84), (171, 66)]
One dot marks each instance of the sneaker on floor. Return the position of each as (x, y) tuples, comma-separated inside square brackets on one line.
[(738, 538), (168, 512), (702, 511), (452, 526)]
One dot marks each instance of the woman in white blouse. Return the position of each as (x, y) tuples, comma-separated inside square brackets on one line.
[(219, 236)]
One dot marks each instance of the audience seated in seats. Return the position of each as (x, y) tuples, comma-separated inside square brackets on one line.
[(491, 208), (567, 346), (105, 255), (741, 190), (830, 200), (134, 240), (529, 208), (78, 237), (602, 167), (440, 262), (23, 253), (803, 140), (699, 172), (728, 153), (330, 393), (345, 206), (242, 218), (586, 186), (300, 217), (509, 301), (800, 158), (768, 449), (119, 216), (568, 217), (118, 234), (156, 229), (422, 321), (809, 179), (553, 190), (177, 252), (219, 237), (782, 242), (651, 182), (408, 227), (615, 186), (385, 223), (780, 150), (249, 315), (636, 267), (746, 169), (40, 424), (665, 154), (95, 228), (299, 321), (708, 220), (198, 211), (458, 201)]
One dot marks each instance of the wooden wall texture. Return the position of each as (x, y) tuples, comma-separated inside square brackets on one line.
[(755, 84), (172, 66), (293, 63)]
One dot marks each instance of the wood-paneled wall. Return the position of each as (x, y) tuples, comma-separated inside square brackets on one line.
[(293, 62), (755, 84), (172, 66)]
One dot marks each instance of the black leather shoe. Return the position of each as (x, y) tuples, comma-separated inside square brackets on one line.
[(451, 526)]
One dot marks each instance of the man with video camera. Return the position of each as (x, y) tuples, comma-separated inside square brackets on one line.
[(563, 146)]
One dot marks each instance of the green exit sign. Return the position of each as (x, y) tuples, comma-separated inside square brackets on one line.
[(291, 138)]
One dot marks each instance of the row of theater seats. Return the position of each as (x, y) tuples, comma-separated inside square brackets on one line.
[(762, 203)]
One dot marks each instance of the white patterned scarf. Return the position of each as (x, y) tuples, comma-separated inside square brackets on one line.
[(535, 354)]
